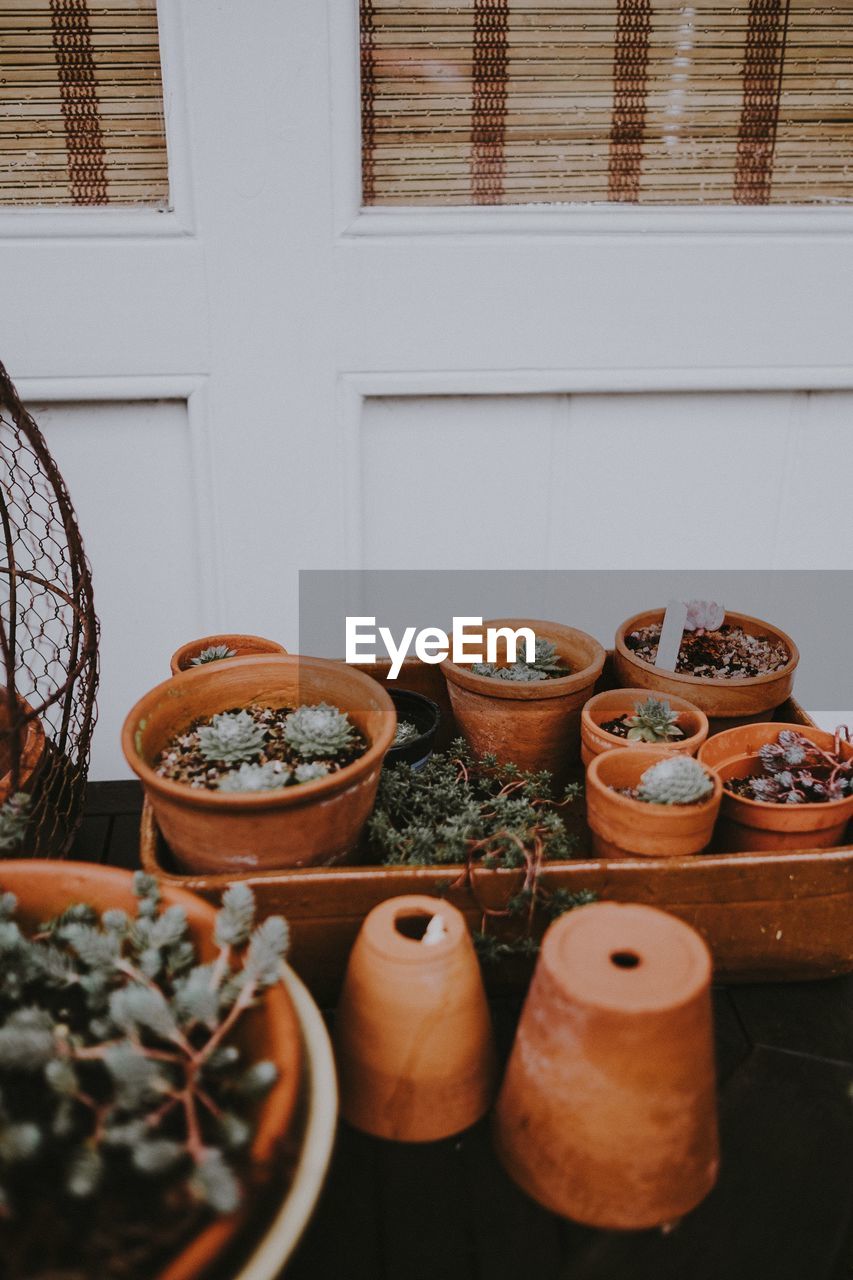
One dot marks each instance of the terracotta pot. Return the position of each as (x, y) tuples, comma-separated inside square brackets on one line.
[(617, 702), (607, 1113), (725, 702), (31, 749), (536, 726), (413, 1034), (244, 647), (621, 825), (271, 1030), (309, 824), (753, 825)]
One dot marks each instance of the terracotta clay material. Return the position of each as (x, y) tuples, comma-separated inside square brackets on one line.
[(752, 824), (537, 725), (725, 702), (309, 824), (413, 1034), (617, 702), (621, 825), (607, 1113), (31, 749), (243, 646), (271, 1030)]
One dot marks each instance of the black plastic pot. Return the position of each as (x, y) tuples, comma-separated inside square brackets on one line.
[(424, 715)]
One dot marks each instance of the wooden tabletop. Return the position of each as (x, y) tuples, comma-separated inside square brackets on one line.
[(782, 1209)]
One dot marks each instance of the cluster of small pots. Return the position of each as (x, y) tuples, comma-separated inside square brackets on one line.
[(606, 1113)]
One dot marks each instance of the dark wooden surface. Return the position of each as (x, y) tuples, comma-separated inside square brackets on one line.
[(782, 1209)]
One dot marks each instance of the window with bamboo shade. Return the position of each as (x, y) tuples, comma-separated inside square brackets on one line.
[(81, 104), (643, 101)]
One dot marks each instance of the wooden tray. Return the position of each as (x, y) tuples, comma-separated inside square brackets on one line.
[(766, 917)]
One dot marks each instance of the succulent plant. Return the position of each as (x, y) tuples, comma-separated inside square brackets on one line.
[(653, 721), (310, 771), (317, 731), (138, 1074), (231, 737), (14, 816), (256, 777), (406, 732), (798, 771), (545, 663), (675, 780), (213, 653), (704, 615)]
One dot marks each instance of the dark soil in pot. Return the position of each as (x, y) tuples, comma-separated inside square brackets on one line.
[(727, 654)]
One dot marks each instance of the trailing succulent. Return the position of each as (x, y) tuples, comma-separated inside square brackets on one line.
[(675, 780), (213, 653), (463, 810), (117, 1057), (14, 816), (231, 738), (545, 666), (317, 731), (797, 771), (653, 721)]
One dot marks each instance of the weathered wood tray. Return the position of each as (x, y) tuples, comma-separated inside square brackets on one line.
[(766, 917)]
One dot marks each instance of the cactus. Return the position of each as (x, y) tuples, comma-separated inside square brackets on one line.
[(231, 738), (256, 777), (675, 780), (213, 653), (317, 731), (653, 721)]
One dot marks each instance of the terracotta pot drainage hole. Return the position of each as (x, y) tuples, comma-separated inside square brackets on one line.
[(421, 927), (624, 959)]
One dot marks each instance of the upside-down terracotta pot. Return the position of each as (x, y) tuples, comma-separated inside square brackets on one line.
[(536, 725), (307, 824), (413, 1034), (754, 825), (623, 826), (725, 702), (607, 1112), (243, 646), (30, 750), (613, 703), (271, 1030)]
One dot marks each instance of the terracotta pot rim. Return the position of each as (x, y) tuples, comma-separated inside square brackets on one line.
[(535, 690), (706, 682), (649, 758), (205, 642), (287, 797), (383, 937), (31, 751), (637, 694)]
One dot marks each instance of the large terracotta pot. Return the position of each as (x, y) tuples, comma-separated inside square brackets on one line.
[(30, 752), (725, 702), (753, 825), (412, 1033), (607, 1113), (617, 702), (621, 825), (271, 1030), (310, 824), (536, 726), (243, 646)]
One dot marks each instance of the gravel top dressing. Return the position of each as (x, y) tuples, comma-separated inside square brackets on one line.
[(728, 654)]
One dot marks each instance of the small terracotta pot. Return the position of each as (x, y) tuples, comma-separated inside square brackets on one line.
[(607, 1113), (621, 825), (536, 726), (617, 702), (725, 702), (753, 825), (271, 1030), (243, 646), (31, 749), (309, 824), (413, 1035)]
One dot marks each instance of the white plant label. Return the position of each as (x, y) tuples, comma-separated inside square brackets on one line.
[(671, 635)]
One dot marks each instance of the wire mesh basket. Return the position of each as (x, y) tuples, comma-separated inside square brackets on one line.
[(48, 644)]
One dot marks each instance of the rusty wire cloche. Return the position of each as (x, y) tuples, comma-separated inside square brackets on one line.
[(48, 644)]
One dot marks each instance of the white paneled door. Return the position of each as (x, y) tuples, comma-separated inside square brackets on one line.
[(267, 377)]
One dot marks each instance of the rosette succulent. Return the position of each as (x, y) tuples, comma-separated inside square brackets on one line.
[(318, 731), (406, 732), (310, 771), (213, 653), (256, 777), (675, 780), (653, 721), (231, 737)]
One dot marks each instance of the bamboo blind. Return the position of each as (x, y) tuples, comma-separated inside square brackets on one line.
[(520, 101), (81, 103)]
